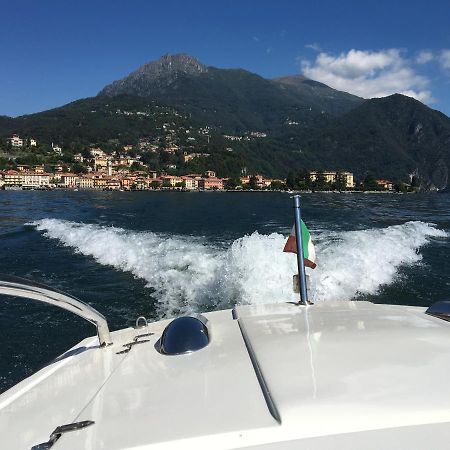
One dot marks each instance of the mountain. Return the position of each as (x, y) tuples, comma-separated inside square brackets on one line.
[(233, 99), (389, 136), (308, 124), (155, 76)]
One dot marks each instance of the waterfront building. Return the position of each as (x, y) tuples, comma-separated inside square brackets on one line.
[(12, 178), (259, 181), (99, 181), (68, 180), (171, 180), (386, 184), (210, 183), (140, 184), (190, 183), (32, 180), (331, 177), (349, 181), (113, 184), (126, 183), (86, 182)]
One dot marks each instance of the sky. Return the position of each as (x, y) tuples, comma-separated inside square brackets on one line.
[(56, 51)]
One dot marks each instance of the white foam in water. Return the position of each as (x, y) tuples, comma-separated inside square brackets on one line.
[(359, 262), (189, 275)]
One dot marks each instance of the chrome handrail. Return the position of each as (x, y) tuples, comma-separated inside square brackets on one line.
[(20, 287)]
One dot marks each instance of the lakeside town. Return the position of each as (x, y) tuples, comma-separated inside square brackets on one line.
[(122, 171)]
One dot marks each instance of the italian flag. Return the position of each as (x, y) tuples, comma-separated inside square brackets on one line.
[(309, 253)]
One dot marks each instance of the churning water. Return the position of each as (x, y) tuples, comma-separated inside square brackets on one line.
[(187, 274), (163, 254)]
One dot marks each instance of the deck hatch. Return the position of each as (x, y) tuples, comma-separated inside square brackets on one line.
[(185, 334)]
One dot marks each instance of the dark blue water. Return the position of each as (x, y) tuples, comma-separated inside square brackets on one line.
[(162, 254)]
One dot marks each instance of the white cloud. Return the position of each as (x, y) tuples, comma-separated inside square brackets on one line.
[(444, 58), (424, 57), (368, 73), (255, 38), (269, 50), (314, 46)]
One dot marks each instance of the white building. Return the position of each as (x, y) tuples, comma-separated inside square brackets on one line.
[(97, 152), (12, 178), (33, 142), (57, 149), (330, 177), (15, 140), (190, 183), (100, 163), (69, 180), (34, 180), (86, 182)]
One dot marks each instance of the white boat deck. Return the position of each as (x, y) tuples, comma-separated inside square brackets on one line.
[(340, 375)]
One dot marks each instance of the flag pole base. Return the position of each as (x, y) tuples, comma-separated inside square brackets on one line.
[(296, 286)]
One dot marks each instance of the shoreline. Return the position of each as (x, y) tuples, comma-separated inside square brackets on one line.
[(291, 192)]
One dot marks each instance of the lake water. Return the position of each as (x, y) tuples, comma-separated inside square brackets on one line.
[(160, 254)]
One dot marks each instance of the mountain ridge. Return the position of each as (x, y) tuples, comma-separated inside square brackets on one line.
[(182, 80)]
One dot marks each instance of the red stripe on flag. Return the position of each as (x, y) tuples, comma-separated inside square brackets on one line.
[(291, 247)]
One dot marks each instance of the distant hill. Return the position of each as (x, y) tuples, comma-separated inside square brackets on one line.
[(89, 120), (388, 136), (318, 95), (308, 124)]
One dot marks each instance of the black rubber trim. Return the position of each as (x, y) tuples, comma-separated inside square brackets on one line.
[(259, 375)]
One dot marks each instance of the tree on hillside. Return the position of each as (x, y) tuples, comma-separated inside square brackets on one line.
[(277, 185), (370, 183), (291, 182), (400, 187), (232, 183), (252, 183), (320, 183), (341, 182), (78, 168)]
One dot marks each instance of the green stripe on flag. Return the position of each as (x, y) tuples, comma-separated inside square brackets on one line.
[(306, 238)]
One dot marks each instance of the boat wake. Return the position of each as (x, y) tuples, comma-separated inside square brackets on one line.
[(188, 274)]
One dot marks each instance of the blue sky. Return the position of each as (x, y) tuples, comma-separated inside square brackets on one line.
[(56, 51)]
